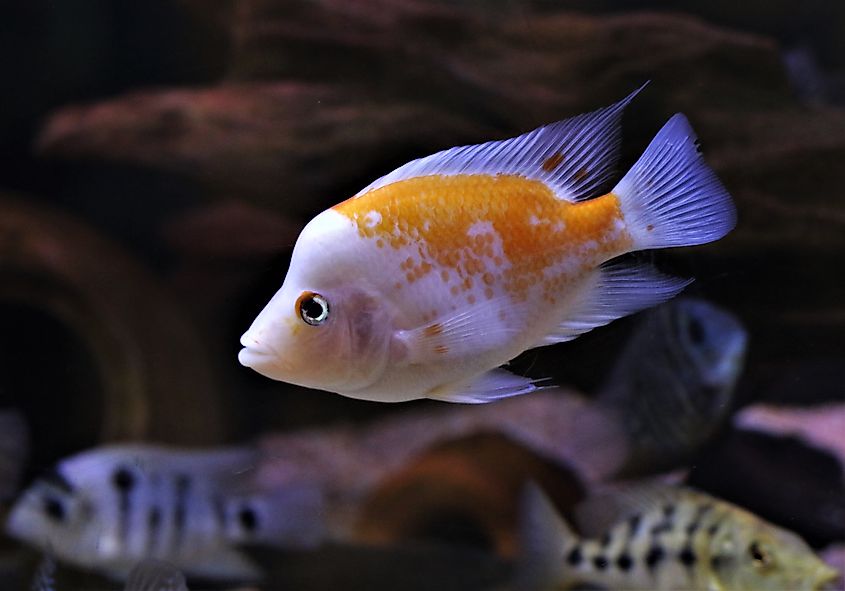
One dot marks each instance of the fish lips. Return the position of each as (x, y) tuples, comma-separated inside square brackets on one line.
[(261, 358)]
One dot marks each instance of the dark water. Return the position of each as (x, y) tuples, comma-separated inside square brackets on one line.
[(157, 278)]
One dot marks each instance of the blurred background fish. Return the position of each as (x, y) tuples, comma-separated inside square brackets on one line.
[(673, 385), (654, 538), (109, 508)]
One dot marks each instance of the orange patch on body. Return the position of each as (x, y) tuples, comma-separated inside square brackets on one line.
[(536, 230), (441, 349)]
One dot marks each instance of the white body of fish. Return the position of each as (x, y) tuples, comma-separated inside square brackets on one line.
[(430, 278)]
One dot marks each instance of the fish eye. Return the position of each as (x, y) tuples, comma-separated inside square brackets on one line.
[(312, 308), (760, 558), (55, 509)]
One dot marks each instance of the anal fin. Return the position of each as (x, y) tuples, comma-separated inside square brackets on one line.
[(614, 290)]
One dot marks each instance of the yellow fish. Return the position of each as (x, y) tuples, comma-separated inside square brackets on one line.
[(430, 278), (657, 538)]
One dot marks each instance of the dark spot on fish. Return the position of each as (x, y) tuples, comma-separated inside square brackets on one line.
[(634, 524), (654, 556), (248, 519), (154, 523), (600, 562), (624, 562), (717, 561), (662, 527), (713, 530), (183, 485), (687, 556), (668, 510), (695, 524), (552, 162), (154, 518), (575, 557), (758, 554), (123, 479), (55, 509), (581, 174), (605, 539), (649, 228)]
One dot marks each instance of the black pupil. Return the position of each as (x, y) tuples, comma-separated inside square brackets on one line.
[(756, 553), (696, 331), (123, 479), (312, 309), (54, 508)]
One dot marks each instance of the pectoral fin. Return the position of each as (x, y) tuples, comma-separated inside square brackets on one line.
[(463, 333)]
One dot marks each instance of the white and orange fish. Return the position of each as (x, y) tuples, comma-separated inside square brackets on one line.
[(433, 276)]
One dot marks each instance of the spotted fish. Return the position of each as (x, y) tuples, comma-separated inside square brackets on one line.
[(654, 538), (111, 508), (433, 276)]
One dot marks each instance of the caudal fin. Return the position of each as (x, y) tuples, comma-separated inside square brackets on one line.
[(670, 197)]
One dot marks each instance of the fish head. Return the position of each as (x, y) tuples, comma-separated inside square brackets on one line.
[(760, 556), (713, 340), (324, 328), (53, 515)]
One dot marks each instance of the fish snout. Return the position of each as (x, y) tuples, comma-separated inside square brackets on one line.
[(257, 353)]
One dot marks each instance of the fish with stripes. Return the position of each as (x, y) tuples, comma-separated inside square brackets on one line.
[(110, 508), (658, 538)]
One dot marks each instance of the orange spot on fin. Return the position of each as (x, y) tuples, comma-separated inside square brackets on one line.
[(433, 330), (552, 162)]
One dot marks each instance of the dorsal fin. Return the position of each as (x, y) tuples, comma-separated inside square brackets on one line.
[(602, 510), (574, 156)]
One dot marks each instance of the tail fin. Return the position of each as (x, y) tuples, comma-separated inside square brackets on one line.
[(544, 538), (670, 197)]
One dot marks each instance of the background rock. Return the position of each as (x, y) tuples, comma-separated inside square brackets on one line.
[(93, 347)]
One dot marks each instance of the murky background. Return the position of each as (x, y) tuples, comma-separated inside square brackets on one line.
[(159, 159)]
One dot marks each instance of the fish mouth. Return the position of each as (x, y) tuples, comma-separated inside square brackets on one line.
[(262, 358), (256, 353)]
